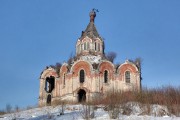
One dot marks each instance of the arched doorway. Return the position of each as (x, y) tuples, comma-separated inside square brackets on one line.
[(48, 100), (81, 95)]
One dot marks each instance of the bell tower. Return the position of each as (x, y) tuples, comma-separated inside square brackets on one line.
[(90, 43)]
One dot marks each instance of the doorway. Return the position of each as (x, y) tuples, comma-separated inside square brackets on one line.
[(81, 95), (48, 100)]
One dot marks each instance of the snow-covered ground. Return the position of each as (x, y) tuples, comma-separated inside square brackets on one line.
[(134, 111)]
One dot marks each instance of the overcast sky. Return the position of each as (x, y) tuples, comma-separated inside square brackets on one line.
[(35, 34)]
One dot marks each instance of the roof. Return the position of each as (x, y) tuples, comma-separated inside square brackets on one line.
[(90, 31)]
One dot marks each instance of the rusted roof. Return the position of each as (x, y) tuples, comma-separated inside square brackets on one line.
[(91, 32)]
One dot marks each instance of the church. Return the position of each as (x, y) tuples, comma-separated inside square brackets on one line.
[(90, 73)]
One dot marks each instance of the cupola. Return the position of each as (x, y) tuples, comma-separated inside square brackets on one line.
[(90, 42)]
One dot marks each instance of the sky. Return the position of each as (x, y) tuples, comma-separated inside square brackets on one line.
[(36, 34)]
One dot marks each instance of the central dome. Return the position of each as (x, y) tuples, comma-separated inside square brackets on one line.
[(90, 42)]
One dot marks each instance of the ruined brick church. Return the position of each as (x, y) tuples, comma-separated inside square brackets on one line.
[(89, 74)]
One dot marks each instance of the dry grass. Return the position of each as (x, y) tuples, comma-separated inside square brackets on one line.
[(168, 96), (2, 112)]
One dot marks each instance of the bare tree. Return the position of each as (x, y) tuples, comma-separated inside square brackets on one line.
[(17, 108), (138, 62), (71, 59), (8, 108), (56, 67), (88, 111), (111, 56)]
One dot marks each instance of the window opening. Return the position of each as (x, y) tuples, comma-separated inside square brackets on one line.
[(95, 46), (64, 78), (49, 84), (105, 76), (127, 76), (78, 49), (84, 46), (81, 47), (88, 46), (98, 46), (48, 100), (82, 76)]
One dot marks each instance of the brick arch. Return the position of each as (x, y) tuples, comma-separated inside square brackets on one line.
[(86, 66), (106, 65), (126, 67), (86, 39), (84, 88), (48, 72)]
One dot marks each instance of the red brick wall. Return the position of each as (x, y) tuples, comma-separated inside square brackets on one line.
[(126, 67), (107, 66), (81, 65)]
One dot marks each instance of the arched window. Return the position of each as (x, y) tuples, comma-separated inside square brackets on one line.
[(81, 47), (49, 84), (88, 46), (105, 76), (85, 46), (78, 49), (98, 46), (64, 79), (95, 46), (81, 76), (127, 76)]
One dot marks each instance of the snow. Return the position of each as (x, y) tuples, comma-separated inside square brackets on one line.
[(77, 112)]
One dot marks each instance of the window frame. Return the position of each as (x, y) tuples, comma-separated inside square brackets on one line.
[(95, 47), (82, 76), (106, 76), (127, 76), (64, 79)]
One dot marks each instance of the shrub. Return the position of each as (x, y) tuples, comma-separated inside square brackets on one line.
[(8, 108), (168, 96)]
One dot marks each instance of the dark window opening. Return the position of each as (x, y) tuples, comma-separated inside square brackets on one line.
[(81, 95), (105, 76), (64, 79), (95, 46), (88, 46), (84, 46), (81, 47), (49, 84), (127, 76), (98, 47), (81, 76), (78, 49), (48, 100)]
